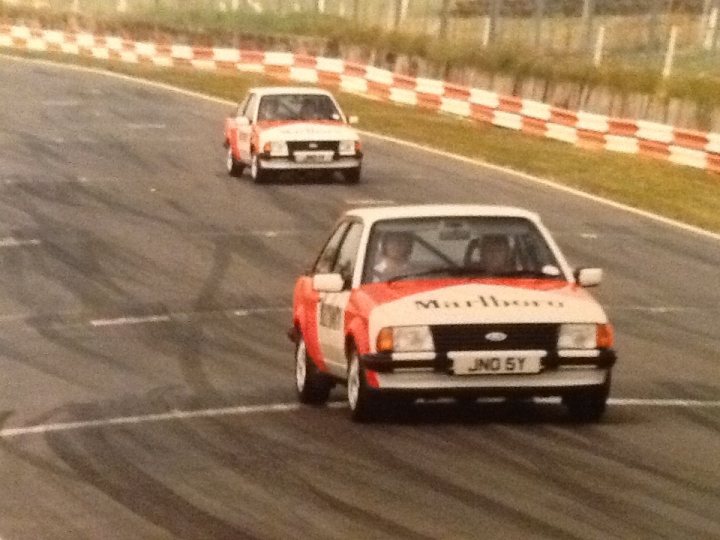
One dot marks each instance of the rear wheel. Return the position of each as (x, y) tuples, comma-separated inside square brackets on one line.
[(363, 405), (234, 167), (313, 387), (589, 405)]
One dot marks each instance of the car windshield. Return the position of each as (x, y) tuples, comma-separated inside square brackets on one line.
[(494, 247), (284, 107)]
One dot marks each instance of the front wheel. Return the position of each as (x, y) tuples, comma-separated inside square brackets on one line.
[(589, 405), (234, 167), (352, 176), (363, 404), (313, 387), (258, 174)]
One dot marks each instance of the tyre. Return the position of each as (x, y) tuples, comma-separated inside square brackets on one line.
[(363, 404), (466, 402), (352, 176), (588, 406), (313, 387), (234, 167), (258, 174)]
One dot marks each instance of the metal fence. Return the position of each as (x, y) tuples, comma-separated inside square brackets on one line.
[(669, 34)]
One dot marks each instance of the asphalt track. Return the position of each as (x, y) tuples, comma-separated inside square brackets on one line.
[(147, 384)]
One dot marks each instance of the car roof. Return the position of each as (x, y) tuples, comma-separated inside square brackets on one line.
[(377, 213), (275, 90)]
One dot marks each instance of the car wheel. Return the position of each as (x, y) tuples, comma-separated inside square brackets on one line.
[(466, 402), (363, 405), (258, 174), (352, 176), (234, 167), (313, 387), (590, 405)]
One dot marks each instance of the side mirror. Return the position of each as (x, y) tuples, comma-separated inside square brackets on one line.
[(352, 120), (329, 283), (588, 277), (242, 121)]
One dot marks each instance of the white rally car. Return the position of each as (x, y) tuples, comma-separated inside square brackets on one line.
[(449, 300), (278, 129)]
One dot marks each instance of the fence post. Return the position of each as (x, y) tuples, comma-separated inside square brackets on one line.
[(442, 32), (397, 14), (588, 14), (486, 31), (539, 13), (599, 44), (704, 20), (495, 10), (653, 22), (711, 27), (670, 54)]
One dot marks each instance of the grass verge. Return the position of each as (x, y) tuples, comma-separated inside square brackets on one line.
[(682, 193)]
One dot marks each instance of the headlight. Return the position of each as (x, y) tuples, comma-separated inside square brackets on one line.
[(577, 336), (405, 339), (346, 148), (279, 148)]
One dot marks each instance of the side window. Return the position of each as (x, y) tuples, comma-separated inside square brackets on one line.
[(241, 106), (249, 110), (326, 260), (345, 263)]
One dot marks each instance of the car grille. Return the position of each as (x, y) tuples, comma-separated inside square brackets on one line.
[(472, 337), (312, 145)]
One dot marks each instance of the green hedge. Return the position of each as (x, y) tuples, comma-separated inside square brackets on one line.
[(205, 27)]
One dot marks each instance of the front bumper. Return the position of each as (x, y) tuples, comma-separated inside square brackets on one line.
[(288, 164), (559, 374)]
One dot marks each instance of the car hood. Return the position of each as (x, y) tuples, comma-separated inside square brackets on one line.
[(501, 301), (305, 131)]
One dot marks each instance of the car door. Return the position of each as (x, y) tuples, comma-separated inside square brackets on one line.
[(245, 126), (332, 306), (311, 301)]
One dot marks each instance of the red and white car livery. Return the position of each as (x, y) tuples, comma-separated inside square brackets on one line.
[(478, 301), (279, 129)]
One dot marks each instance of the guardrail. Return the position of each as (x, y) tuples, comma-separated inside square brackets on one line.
[(686, 147)]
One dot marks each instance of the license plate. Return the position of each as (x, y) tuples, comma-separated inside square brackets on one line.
[(496, 364), (312, 157)]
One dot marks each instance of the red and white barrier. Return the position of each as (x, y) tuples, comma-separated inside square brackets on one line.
[(687, 147)]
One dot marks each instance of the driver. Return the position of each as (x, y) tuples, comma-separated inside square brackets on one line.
[(495, 254), (309, 110), (268, 109), (395, 254)]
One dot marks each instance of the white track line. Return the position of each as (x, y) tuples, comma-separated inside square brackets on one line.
[(135, 319), (159, 417), (120, 321), (167, 317), (290, 407), (146, 126), (15, 242), (507, 170)]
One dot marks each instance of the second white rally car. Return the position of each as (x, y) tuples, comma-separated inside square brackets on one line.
[(291, 129), (449, 300)]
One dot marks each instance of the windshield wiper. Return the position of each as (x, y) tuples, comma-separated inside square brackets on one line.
[(433, 271), (525, 273)]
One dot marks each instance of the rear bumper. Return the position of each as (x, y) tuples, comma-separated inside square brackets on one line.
[(559, 375)]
